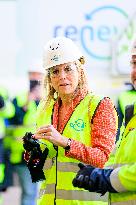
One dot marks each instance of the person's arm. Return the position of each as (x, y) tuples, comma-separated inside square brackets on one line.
[(102, 137), (93, 179), (124, 178)]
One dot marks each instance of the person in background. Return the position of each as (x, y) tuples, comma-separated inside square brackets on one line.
[(120, 180), (6, 110), (23, 121), (125, 98), (76, 124)]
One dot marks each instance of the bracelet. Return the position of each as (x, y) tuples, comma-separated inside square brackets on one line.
[(68, 145)]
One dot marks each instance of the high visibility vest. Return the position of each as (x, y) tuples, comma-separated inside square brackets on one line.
[(2, 165), (60, 170), (7, 111), (126, 98), (16, 133), (2, 172), (123, 178)]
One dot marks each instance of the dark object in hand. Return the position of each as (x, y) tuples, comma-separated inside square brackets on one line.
[(29, 143), (37, 157)]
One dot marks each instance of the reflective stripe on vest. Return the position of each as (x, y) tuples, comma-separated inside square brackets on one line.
[(72, 194), (124, 203), (62, 166)]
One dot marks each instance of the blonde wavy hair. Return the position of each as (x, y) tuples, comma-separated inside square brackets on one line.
[(49, 93)]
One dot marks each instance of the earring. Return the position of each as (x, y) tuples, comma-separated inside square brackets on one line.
[(56, 95)]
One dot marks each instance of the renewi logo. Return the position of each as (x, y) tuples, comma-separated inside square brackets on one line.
[(99, 26)]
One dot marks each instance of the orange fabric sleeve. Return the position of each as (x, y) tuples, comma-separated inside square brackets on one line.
[(103, 137)]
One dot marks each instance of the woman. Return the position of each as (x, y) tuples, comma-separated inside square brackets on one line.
[(76, 124)]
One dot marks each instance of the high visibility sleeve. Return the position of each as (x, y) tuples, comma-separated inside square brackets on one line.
[(124, 178)]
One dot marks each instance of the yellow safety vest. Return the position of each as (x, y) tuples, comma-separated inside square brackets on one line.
[(60, 170), (15, 133), (6, 112), (124, 177), (127, 98)]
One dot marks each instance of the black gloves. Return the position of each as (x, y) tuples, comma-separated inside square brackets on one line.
[(93, 179), (29, 143), (36, 163), (36, 159)]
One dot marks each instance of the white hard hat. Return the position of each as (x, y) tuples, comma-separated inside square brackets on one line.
[(35, 69), (133, 51), (60, 50)]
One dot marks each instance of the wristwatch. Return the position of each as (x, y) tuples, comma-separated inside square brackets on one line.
[(67, 148)]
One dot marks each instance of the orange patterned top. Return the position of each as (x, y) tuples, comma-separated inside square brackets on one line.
[(102, 135)]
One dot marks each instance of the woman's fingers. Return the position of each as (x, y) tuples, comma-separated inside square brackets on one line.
[(44, 129), (51, 134), (45, 135)]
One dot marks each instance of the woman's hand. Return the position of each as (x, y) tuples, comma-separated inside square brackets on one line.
[(48, 132)]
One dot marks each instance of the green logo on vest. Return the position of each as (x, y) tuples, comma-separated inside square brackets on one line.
[(78, 125)]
